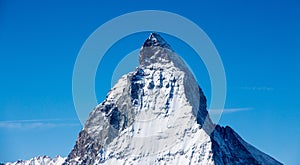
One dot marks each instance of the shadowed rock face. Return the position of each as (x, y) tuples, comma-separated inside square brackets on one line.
[(156, 115)]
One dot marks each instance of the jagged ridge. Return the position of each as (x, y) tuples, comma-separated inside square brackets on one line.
[(40, 160)]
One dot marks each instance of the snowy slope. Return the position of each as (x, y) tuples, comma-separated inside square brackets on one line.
[(40, 160), (156, 115)]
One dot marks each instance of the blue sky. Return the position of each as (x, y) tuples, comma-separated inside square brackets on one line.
[(39, 42)]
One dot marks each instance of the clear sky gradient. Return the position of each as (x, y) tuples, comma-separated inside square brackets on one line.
[(258, 41)]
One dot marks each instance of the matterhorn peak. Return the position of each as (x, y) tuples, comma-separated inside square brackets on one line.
[(155, 50), (158, 115)]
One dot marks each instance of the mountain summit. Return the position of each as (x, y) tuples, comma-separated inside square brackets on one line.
[(156, 40), (157, 115)]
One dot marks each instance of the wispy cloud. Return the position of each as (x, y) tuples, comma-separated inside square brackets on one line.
[(258, 88), (38, 123), (229, 110)]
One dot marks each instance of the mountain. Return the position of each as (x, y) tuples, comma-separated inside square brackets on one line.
[(157, 115), (40, 160)]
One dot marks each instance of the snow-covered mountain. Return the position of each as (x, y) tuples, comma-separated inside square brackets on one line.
[(40, 160), (157, 115)]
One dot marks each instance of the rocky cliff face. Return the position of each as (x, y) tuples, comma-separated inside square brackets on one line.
[(156, 115)]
